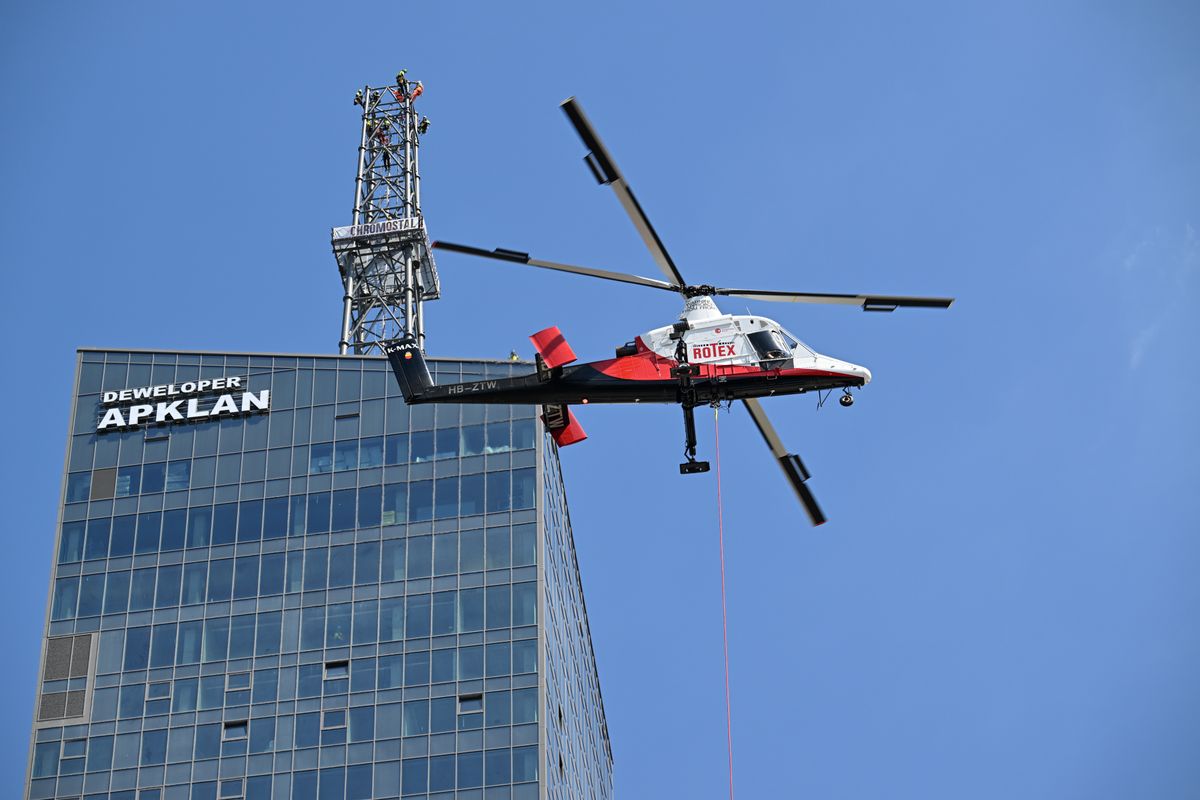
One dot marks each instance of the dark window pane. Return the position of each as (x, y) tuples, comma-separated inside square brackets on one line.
[(224, 523), (369, 498), (275, 518), (250, 521), (70, 547), (96, 546), (154, 477), (318, 512), (420, 501), (343, 509), (148, 529), (174, 529)]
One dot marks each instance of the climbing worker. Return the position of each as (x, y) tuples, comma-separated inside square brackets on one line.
[(417, 91), (423, 125), (358, 98)]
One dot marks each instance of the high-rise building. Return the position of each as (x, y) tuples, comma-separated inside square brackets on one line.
[(273, 579)]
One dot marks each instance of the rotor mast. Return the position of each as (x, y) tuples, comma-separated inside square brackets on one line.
[(384, 257)]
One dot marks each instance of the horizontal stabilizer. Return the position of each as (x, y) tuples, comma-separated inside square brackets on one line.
[(552, 347), (562, 425)]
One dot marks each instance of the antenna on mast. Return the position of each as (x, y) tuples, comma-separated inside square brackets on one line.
[(384, 257)]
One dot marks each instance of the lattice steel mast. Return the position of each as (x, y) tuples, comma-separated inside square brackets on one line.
[(384, 258)]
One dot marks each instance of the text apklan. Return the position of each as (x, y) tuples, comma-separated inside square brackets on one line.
[(183, 409)]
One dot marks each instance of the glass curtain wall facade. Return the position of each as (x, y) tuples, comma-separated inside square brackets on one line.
[(338, 598)]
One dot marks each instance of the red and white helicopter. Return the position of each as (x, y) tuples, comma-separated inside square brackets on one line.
[(706, 358)]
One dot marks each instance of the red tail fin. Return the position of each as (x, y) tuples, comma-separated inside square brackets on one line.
[(562, 425)]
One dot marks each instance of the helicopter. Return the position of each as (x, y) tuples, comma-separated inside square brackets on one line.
[(706, 357)]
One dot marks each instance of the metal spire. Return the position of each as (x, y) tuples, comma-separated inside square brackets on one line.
[(384, 258)]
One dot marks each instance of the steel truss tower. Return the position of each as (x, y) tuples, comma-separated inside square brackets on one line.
[(384, 258)]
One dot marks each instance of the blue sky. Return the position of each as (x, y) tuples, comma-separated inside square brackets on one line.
[(1003, 602)]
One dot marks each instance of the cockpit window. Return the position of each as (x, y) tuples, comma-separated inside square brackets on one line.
[(799, 348), (770, 346)]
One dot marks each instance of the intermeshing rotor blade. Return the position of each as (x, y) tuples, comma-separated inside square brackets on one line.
[(600, 161), (868, 302), (516, 257), (792, 466)]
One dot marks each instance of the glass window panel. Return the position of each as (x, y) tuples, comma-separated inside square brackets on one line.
[(220, 580), (442, 665), (470, 551), (316, 567), (362, 724), (420, 501), (470, 663), (137, 648), (472, 500), (266, 685), (141, 590), (497, 767), (345, 455), (174, 529), (497, 548), (446, 497), (79, 485), (524, 603), (216, 639), (422, 446), (296, 516), (370, 453), (312, 628), (524, 656), (391, 619), (470, 770), (341, 566), (395, 503), (123, 529), (420, 557), (366, 563), (416, 668), (522, 432), (337, 625), (183, 695), (470, 610), (212, 692), (241, 636), (320, 458), (129, 481), (116, 593), (96, 546), (275, 518), (224, 523), (199, 529), (416, 615), (162, 651), (70, 547), (445, 443), (524, 487), (154, 477), (393, 560), (497, 709), (366, 621), (262, 735), (179, 474), (471, 440), (395, 449), (524, 705), (318, 512), (362, 675), (499, 607), (250, 521), (524, 545), (391, 672), (344, 509), (444, 612), (112, 649), (99, 753), (416, 717), (194, 578), (498, 659), (498, 437), (245, 577), (167, 593), (525, 762), (369, 498), (91, 595), (293, 579), (309, 684), (267, 631), (271, 575), (187, 645), (498, 496), (445, 554), (148, 529)]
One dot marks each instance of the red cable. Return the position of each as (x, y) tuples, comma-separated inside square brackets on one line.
[(724, 616)]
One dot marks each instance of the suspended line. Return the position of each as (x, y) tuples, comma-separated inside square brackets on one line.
[(724, 616)]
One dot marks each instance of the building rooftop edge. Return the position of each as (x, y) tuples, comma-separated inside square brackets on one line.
[(267, 354)]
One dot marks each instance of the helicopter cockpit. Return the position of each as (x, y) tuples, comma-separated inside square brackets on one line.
[(776, 347)]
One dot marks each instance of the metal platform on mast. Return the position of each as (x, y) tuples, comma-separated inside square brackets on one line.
[(383, 257)]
